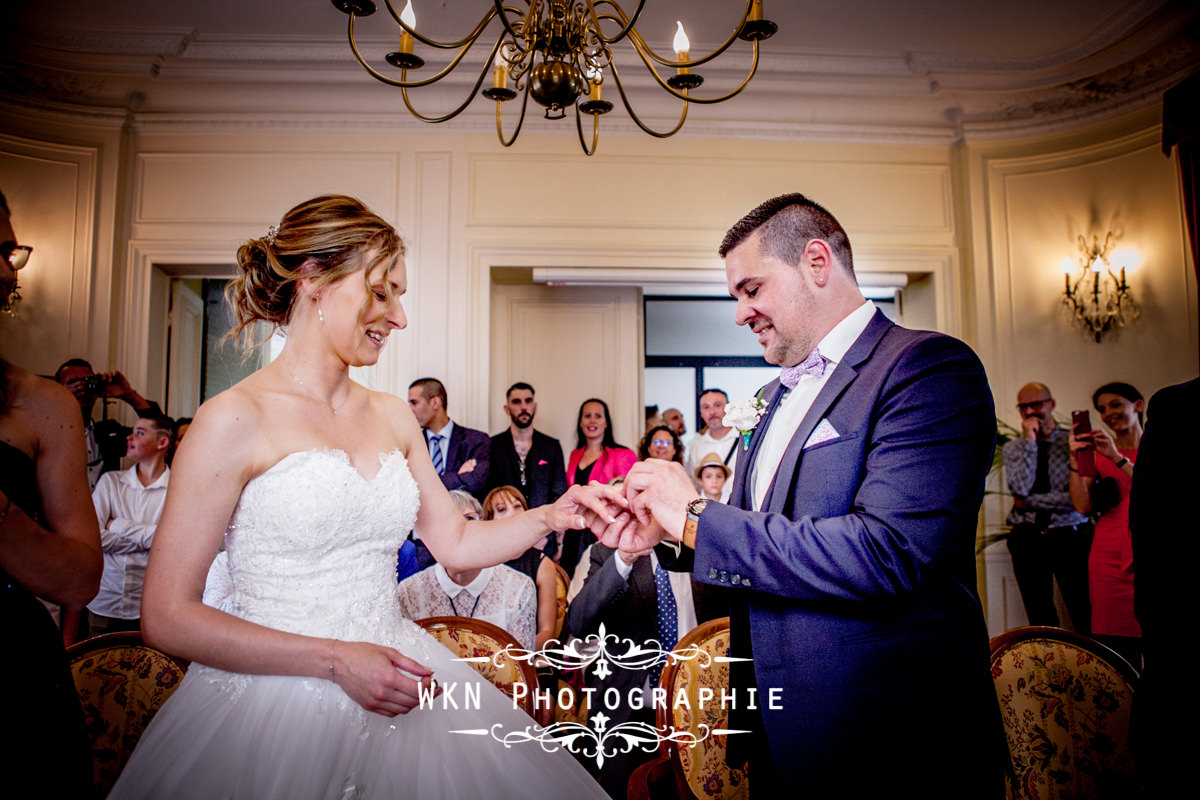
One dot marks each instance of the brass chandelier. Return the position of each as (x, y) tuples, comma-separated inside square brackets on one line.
[(557, 52)]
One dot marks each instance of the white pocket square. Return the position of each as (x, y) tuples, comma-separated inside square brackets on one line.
[(822, 433)]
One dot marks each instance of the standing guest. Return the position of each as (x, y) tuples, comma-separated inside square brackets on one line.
[(507, 501), (1164, 598), (460, 454), (1110, 563), (653, 417), (712, 476), (1049, 539), (848, 551), (661, 442), (181, 427), (596, 457), (49, 548), (105, 438), (524, 457), (717, 437), (673, 418), (129, 504)]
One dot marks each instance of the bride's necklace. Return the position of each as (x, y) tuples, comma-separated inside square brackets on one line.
[(313, 394)]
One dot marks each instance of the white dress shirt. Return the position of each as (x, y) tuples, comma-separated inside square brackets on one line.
[(794, 404), (128, 513)]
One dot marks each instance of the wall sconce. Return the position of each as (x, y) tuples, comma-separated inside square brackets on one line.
[(1098, 299), (10, 290)]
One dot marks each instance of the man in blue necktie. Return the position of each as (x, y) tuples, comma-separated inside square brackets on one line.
[(847, 548), (460, 454)]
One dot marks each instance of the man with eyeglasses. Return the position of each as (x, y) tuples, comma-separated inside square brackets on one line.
[(1049, 539)]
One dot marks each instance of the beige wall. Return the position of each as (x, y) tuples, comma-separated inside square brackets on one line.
[(112, 213)]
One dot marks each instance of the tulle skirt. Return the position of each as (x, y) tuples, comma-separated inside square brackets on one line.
[(235, 736)]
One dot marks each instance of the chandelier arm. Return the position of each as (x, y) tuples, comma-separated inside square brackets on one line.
[(500, 11), (640, 44), (520, 120), (471, 37), (595, 131), (688, 98), (404, 84), (452, 114), (638, 121), (619, 17)]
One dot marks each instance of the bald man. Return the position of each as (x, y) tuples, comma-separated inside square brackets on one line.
[(1049, 539)]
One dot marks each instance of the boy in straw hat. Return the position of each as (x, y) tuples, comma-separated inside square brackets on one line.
[(712, 474)]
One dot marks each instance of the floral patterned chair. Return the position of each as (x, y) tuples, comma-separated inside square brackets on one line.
[(472, 638), (122, 682), (1065, 699), (699, 771)]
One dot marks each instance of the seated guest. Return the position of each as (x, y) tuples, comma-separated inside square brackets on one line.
[(712, 474), (661, 442), (415, 555), (500, 595), (507, 501), (596, 457), (634, 598), (128, 506)]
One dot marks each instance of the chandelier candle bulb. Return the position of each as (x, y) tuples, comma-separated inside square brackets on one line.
[(499, 71), (682, 46), (410, 19)]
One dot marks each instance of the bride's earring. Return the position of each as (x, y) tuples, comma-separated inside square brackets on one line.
[(320, 315)]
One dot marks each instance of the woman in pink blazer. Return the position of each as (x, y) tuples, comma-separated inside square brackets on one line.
[(596, 457)]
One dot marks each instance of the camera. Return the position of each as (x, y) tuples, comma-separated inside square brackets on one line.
[(95, 384)]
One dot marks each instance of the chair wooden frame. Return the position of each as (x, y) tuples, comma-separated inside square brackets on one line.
[(1011, 640), (1007, 640), (663, 715), (561, 590), (502, 638)]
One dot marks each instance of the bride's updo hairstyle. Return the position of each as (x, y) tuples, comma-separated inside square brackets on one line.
[(331, 231)]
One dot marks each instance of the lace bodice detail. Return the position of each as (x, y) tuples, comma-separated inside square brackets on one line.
[(312, 545)]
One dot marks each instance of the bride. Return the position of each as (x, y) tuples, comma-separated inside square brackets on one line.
[(313, 482)]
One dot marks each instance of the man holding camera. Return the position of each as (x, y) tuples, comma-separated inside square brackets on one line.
[(106, 438), (1049, 539)]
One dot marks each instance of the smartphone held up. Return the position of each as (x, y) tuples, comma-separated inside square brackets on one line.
[(1085, 459)]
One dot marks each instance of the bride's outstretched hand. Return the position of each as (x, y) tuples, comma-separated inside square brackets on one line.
[(370, 675), (594, 506)]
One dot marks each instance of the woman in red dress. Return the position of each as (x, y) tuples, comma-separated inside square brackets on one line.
[(1110, 563)]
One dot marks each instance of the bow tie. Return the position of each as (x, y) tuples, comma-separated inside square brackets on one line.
[(813, 365)]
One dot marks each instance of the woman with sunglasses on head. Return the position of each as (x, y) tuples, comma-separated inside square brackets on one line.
[(1110, 561)]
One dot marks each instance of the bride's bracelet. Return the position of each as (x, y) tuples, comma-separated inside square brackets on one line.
[(332, 644)]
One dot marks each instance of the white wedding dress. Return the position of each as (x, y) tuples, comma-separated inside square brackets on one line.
[(312, 550)]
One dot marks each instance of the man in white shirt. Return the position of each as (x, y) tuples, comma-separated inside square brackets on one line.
[(128, 505), (716, 438)]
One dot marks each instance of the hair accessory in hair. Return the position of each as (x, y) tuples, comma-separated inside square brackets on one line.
[(272, 232)]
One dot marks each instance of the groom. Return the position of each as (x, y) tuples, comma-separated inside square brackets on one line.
[(847, 550)]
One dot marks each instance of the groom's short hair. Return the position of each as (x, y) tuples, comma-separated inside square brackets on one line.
[(786, 224)]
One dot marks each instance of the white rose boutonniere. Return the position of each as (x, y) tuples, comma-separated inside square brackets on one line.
[(744, 415)]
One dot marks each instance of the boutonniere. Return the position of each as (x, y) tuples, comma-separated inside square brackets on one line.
[(744, 415)]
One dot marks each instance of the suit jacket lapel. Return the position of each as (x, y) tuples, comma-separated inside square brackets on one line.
[(843, 375), (739, 495)]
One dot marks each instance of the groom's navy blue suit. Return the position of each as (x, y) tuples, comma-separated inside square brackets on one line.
[(854, 587)]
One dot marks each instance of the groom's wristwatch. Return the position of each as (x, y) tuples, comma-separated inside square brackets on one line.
[(694, 509)]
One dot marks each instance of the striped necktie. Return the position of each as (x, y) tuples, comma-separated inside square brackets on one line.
[(435, 450)]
